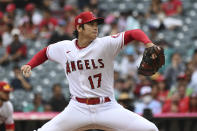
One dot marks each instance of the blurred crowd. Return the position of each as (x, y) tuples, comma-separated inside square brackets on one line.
[(172, 89)]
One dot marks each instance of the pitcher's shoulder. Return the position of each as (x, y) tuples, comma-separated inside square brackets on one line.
[(64, 43), (102, 39)]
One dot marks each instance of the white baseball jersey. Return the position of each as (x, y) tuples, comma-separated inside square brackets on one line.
[(89, 70), (90, 74), (6, 113)]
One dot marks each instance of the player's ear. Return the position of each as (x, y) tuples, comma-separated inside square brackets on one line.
[(79, 29)]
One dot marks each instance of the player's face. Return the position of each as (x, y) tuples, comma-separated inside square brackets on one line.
[(90, 30), (4, 96)]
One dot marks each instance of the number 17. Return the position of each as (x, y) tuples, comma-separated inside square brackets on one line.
[(98, 76)]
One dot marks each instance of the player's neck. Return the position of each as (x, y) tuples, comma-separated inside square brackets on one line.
[(83, 42)]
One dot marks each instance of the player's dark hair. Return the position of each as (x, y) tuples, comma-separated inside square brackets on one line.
[(76, 33)]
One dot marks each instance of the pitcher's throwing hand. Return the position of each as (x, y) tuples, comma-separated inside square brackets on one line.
[(26, 70)]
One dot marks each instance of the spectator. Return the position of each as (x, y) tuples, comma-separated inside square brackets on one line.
[(29, 7), (171, 105), (114, 28), (193, 102), (155, 105), (172, 7), (59, 34), (19, 82), (194, 68), (126, 101), (118, 85), (16, 51), (184, 78), (155, 90), (46, 4), (69, 17), (127, 86), (143, 81), (128, 64), (147, 101), (155, 8), (155, 16), (58, 101), (47, 107), (6, 108), (184, 100), (132, 21), (6, 36), (10, 15), (122, 21), (48, 21), (36, 106), (116, 75), (110, 26), (2, 23), (32, 14), (176, 67), (162, 89), (178, 102), (28, 29), (190, 88), (162, 15), (27, 25), (194, 59), (2, 49), (93, 5)]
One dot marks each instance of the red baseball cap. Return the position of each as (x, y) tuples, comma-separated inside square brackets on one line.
[(10, 7), (86, 17), (5, 87), (29, 7)]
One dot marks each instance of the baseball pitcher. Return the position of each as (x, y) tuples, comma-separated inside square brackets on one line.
[(88, 65)]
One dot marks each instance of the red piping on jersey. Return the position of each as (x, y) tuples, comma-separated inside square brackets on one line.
[(122, 44), (78, 47), (136, 34), (38, 58), (76, 44), (10, 126)]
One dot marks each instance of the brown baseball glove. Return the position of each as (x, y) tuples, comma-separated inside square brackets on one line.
[(150, 65)]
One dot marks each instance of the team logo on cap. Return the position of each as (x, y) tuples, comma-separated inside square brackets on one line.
[(79, 20)]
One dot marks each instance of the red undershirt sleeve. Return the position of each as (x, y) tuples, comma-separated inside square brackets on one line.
[(136, 34), (38, 58)]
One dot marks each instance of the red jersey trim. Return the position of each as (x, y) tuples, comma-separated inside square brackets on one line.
[(122, 44), (78, 47), (47, 54)]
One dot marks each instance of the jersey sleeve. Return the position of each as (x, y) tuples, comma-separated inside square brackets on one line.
[(9, 119), (114, 43), (55, 52)]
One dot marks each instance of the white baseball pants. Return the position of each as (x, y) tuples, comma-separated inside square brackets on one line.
[(108, 116)]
